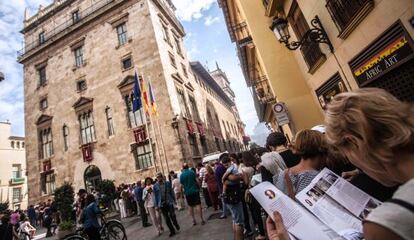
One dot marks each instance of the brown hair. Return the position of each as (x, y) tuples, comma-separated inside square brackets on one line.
[(209, 169), (375, 117), (310, 144), (249, 159)]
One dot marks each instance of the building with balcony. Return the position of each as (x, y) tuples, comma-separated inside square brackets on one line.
[(270, 70), (79, 63), (371, 44), (13, 184)]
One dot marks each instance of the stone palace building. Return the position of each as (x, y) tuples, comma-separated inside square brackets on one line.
[(79, 61)]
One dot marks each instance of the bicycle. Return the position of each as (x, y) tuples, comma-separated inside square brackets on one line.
[(110, 230)]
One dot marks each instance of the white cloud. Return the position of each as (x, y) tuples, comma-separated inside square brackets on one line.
[(209, 20), (11, 89), (188, 10)]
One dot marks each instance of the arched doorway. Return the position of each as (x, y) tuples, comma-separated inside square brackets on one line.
[(92, 177)]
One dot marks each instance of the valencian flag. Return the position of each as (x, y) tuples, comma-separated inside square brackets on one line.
[(136, 101), (152, 100), (144, 95)]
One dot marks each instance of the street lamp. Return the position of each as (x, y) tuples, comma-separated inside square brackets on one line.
[(316, 34), (1, 76)]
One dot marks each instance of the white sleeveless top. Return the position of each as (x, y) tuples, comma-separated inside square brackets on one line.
[(395, 217)]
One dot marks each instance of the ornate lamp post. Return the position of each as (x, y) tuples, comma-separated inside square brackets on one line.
[(316, 34)]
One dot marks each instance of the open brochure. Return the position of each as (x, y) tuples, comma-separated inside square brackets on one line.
[(335, 207)]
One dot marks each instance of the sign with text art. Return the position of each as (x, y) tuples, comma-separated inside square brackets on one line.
[(391, 49)]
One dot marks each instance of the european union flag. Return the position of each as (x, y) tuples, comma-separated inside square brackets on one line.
[(136, 102)]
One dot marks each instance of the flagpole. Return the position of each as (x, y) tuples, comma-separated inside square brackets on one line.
[(147, 129), (153, 130), (160, 133)]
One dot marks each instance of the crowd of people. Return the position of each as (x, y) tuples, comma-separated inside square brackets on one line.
[(368, 138), (20, 223)]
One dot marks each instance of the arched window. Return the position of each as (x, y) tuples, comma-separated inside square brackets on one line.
[(12, 144), (17, 144), (65, 131), (109, 121)]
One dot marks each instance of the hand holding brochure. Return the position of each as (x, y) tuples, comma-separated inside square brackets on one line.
[(332, 200)]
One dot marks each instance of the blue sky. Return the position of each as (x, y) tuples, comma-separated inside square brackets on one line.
[(207, 41)]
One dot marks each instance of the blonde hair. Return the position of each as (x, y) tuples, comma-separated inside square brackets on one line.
[(378, 119), (310, 144)]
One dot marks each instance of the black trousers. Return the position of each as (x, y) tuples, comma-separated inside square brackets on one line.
[(168, 212), (207, 197), (256, 211), (93, 233), (143, 212)]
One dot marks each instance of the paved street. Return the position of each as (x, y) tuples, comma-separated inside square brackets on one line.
[(214, 229)]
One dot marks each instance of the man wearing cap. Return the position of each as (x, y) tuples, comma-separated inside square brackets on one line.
[(164, 200)]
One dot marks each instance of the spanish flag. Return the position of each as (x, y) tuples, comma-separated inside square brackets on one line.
[(144, 94), (152, 101)]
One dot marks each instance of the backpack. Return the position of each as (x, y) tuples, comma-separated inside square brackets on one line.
[(233, 194)]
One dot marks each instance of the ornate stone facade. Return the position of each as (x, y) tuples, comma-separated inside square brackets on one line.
[(80, 59)]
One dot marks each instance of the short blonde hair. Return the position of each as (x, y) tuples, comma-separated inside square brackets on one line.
[(375, 117)]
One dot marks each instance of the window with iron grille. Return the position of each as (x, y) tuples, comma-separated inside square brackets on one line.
[(75, 17), (42, 76), (194, 109), (143, 157), (17, 194), (65, 131), (81, 85), (347, 14), (122, 33), (193, 144), (46, 143), (178, 45), (135, 119), (203, 142), (109, 121), (79, 56), (42, 38), (47, 183), (43, 104), (172, 60), (126, 63), (166, 33), (87, 128), (311, 52), (183, 103)]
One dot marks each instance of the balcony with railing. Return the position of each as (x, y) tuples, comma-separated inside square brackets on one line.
[(347, 14), (69, 24), (263, 90), (17, 178)]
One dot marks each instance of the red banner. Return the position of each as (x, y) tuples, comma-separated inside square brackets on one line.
[(47, 166), (140, 135), (201, 129), (190, 126), (87, 152)]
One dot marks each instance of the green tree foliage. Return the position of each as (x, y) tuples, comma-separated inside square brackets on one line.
[(64, 197), (107, 190)]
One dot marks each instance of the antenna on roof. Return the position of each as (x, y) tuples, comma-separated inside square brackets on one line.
[(218, 68)]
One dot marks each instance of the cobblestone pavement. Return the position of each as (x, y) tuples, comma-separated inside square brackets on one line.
[(214, 229)]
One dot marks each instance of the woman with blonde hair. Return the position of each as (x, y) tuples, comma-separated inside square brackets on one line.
[(311, 147), (376, 132)]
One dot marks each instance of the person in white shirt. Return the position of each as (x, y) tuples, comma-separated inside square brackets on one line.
[(202, 171), (178, 192), (27, 228)]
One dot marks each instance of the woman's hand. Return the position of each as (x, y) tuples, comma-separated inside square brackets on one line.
[(350, 175), (276, 230)]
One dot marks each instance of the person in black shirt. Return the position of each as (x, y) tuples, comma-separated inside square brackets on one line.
[(7, 232), (277, 142)]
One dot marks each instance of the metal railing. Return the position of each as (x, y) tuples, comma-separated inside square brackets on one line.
[(344, 11), (63, 26), (263, 91)]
